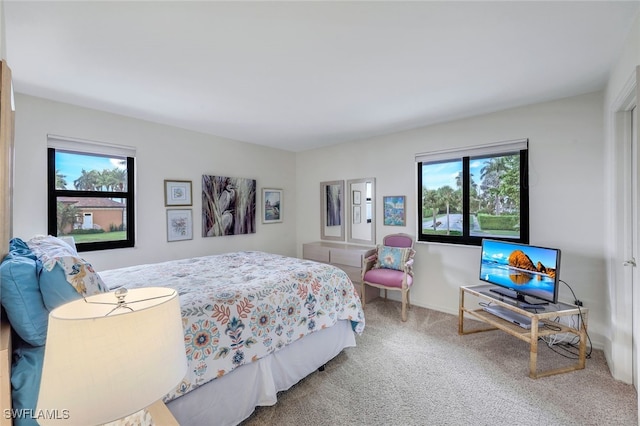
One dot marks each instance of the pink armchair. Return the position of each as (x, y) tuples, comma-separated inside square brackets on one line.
[(390, 267)]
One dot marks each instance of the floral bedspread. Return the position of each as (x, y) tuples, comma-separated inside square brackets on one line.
[(240, 307)]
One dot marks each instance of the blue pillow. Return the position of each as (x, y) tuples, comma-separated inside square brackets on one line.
[(20, 294), (26, 372), (55, 289), (67, 278), (20, 248)]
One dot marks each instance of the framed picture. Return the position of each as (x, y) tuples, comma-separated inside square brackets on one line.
[(394, 210), (179, 225), (356, 197), (228, 206), (271, 205), (177, 193), (356, 215)]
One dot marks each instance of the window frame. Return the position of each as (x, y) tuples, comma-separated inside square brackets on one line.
[(54, 193), (466, 155)]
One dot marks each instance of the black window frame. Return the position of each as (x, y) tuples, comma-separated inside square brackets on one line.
[(466, 238), (54, 193)]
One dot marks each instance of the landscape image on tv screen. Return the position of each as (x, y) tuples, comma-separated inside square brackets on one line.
[(526, 269)]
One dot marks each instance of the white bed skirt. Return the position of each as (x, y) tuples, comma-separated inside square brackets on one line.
[(233, 397)]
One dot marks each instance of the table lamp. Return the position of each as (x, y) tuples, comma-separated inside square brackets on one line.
[(110, 355)]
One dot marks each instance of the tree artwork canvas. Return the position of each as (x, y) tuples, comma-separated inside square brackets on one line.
[(228, 206)]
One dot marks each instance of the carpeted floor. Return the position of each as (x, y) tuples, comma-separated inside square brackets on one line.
[(423, 373)]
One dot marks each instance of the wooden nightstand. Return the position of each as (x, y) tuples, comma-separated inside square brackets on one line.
[(161, 415)]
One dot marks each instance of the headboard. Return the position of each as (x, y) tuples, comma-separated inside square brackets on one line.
[(6, 227)]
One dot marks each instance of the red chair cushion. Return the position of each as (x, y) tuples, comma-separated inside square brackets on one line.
[(387, 277)]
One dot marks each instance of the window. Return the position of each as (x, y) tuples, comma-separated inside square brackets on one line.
[(469, 194), (91, 193)]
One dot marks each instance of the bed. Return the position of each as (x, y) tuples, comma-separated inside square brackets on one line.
[(255, 324)]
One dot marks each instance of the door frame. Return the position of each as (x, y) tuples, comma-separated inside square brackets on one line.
[(619, 218)]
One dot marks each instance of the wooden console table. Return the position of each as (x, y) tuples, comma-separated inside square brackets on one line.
[(532, 335), (348, 257)]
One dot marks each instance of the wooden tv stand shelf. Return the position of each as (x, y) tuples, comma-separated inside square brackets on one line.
[(532, 335)]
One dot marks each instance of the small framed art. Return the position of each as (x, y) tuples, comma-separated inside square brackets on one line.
[(271, 205), (394, 210), (177, 193), (179, 225), (356, 198), (357, 215)]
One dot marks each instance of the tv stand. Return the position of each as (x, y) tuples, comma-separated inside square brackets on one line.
[(482, 293)]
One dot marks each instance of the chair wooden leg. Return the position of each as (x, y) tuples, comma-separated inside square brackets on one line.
[(362, 296), (409, 298), (404, 305)]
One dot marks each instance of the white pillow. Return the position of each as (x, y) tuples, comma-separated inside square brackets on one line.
[(47, 247)]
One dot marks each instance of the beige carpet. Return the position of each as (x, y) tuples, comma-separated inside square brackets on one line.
[(422, 373)]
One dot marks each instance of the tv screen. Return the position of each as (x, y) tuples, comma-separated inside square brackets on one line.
[(521, 269)]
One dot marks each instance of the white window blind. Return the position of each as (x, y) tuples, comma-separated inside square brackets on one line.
[(89, 147), (473, 151)]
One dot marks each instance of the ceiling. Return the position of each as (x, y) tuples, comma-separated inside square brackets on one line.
[(299, 75)]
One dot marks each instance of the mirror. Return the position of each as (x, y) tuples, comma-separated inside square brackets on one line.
[(361, 211), (332, 210)]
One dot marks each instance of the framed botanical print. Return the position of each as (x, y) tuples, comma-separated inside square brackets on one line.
[(177, 193), (179, 225)]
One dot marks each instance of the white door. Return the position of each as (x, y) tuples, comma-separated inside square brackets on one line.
[(635, 237), (87, 221), (635, 279), (624, 218)]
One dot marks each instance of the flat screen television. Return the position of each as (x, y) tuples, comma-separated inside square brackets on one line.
[(525, 273)]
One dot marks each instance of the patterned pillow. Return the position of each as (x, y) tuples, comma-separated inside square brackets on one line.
[(67, 278), (64, 275), (393, 257)]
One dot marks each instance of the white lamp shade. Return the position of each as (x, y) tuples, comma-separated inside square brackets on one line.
[(100, 366)]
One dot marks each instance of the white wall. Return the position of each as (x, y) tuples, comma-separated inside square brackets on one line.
[(566, 194), (163, 152)]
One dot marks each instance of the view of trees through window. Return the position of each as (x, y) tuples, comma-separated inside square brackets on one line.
[(91, 194), (472, 197)]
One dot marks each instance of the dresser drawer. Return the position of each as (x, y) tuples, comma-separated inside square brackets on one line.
[(346, 257), (315, 252), (355, 274)]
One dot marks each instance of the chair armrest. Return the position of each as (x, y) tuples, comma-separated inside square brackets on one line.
[(371, 253), (408, 267), (370, 256), (369, 261)]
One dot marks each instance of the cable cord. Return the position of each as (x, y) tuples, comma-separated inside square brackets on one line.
[(570, 347)]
